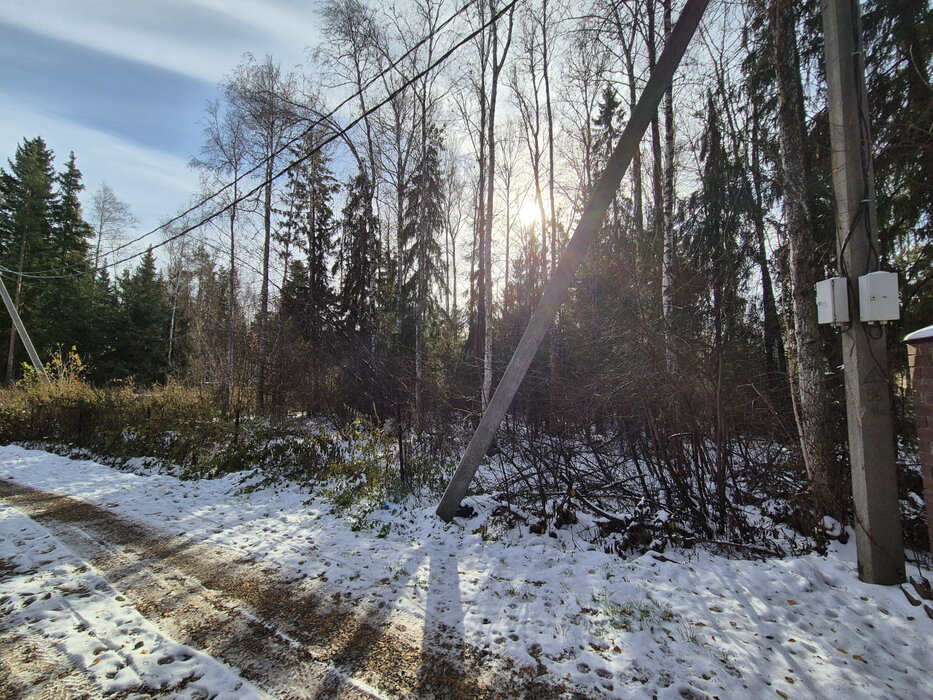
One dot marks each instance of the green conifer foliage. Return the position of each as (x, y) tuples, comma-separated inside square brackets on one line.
[(308, 226), (29, 203), (141, 348), (423, 222), (360, 252)]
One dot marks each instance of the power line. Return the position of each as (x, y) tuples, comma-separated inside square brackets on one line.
[(335, 134)]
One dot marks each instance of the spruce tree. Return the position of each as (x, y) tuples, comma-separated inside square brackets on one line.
[(29, 203), (421, 226), (69, 325), (308, 226), (141, 348), (360, 249), (70, 232)]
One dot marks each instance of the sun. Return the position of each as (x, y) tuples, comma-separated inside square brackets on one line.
[(528, 213)]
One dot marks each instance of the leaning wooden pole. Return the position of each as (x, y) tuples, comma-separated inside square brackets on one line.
[(570, 260), (21, 330)]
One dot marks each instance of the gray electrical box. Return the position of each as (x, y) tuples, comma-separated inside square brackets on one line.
[(877, 297), (832, 301)]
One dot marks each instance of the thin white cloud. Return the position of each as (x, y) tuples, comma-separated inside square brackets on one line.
[(294, 25), (155, 184), (202, 39)]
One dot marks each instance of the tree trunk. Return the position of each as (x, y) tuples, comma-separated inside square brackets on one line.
[(171, 325), (808, 380), (231, 302), (453, 264), (657, 169), (100, 235), (497, 65), (264, 293), (479, 228), (667, 265), (637, 205), (775, 360), (486, 270), (554, 331), (419, 361)]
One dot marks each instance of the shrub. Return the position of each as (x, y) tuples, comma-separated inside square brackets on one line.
[(183, 429)]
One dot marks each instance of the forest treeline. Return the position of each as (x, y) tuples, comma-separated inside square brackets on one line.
[(382, 259)]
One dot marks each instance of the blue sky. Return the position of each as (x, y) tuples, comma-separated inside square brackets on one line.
[(124, 83)]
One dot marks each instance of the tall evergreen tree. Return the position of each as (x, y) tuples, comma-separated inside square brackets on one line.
[(71, 324), (145, 310), (29, 204), (718, 234), (421, 227), (70, 231), (899, 63), (360, 249), (308, 226), (100, 338)]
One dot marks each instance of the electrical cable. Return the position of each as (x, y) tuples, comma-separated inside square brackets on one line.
[(335, 134), (863, 212)]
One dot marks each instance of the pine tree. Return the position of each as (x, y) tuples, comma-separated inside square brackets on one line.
[(101, 334), (609, 114), (718, 231), (72, 324), (70, 232), (607, 119), (29, 202), (899, 62)]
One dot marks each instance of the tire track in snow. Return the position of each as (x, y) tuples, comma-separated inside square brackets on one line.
[(283, 636), (66, 633)]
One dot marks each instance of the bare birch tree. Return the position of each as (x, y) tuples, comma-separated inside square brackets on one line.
[(808, 365), (266, 97)]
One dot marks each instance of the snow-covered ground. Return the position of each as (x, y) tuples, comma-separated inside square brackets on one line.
[(672, 625), (52, 594)]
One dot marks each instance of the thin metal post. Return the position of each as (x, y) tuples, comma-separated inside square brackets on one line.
[(572, 256), (21, 331)]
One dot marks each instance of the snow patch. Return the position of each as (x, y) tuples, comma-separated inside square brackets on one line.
[(677, 624)]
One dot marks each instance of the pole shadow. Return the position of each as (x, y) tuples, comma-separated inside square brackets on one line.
[(443, 646)]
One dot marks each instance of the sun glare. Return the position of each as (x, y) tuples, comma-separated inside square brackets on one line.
[(528, 213)]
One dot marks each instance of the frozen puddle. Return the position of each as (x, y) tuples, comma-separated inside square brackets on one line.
[(46, 591)]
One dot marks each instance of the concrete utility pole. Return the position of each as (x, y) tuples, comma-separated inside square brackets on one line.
[(864, 348), (570, 260), (21, 330)]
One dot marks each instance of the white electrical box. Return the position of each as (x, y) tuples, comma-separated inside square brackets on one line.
[(877, 297), (832, 301)]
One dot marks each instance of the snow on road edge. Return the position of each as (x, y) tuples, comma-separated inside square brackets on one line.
[(688, 624), (51, 593)]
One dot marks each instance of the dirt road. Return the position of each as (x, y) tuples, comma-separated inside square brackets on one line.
[(283, 638)]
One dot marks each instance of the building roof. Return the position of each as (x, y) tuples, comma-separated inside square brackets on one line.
[(924, 335)]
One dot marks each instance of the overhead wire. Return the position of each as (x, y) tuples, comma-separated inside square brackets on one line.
[(863, 215), (56, 273), (335, 134), (862, 212)]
